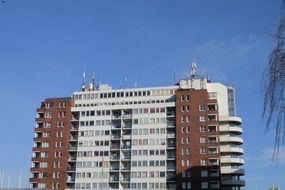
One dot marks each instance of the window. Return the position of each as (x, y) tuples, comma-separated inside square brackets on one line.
[(203, 129), (47, 125), (203, 162), (187, 118), (187, 151), (187, 129), (214, 173), (48, 115), (188, 140), (188, 162), (41, 185), (49, 105), (202, 118), (44, 154), (43, 164), (183, 174), (204, 173), (212, 128), (212, 107), (204, 185), (188, 185), (46, 134), (183, 185), (212, 117), (188, 173), (203, 150), (182, 98), (202, 107), (45, 144), (187, 108), (215, 185), (213, 150), (203, 139), (187, 97)]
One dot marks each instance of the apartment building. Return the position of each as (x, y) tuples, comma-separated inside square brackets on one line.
[(185, 136)]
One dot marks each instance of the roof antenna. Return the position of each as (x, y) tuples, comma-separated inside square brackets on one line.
[(136, 82), (93, 81), (84, 80), (126, 80), (193, 69)]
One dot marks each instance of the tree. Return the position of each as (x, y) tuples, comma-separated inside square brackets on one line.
[(274, 188), (274, 85)]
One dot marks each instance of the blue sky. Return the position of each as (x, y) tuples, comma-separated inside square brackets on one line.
[(44, 46)]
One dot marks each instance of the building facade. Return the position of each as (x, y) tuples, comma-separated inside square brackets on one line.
[(185, 136)]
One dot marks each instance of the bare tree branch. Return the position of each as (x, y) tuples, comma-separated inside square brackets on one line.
[(274, 85)]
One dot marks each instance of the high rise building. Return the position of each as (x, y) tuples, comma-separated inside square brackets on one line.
[(185, 136)]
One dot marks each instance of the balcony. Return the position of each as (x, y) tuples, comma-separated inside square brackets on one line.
[(115, 137), (73, 138), (115, 157), (127, 125), (170, 135), (126, 168), (126, 137), (229, 159), (170, 124), (73, 118), (213, 162), (70, 179), (230, 149), (126, 157), (116, 125), (115, 146), (72, 148), (114, 168), (72, 159), (125, 179), (125, 147), (127, 116), (74, 128), (231, 119), (170, 145), (171, 156), (233, 182), (71, 169), (114, 179), (233, 129), (171, 167), (234, 139), (170, 114), (229, 170), (116, 116)]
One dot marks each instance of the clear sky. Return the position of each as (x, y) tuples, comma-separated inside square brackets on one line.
[(45, 44)]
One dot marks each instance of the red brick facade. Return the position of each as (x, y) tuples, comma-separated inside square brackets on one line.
[(50, 152), (197, 141)]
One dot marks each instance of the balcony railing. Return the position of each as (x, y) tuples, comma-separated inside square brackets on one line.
[(171, 156), (115, 146), (72, 147), (71, 168), (171, 167), (117, 157), (170, 145)]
